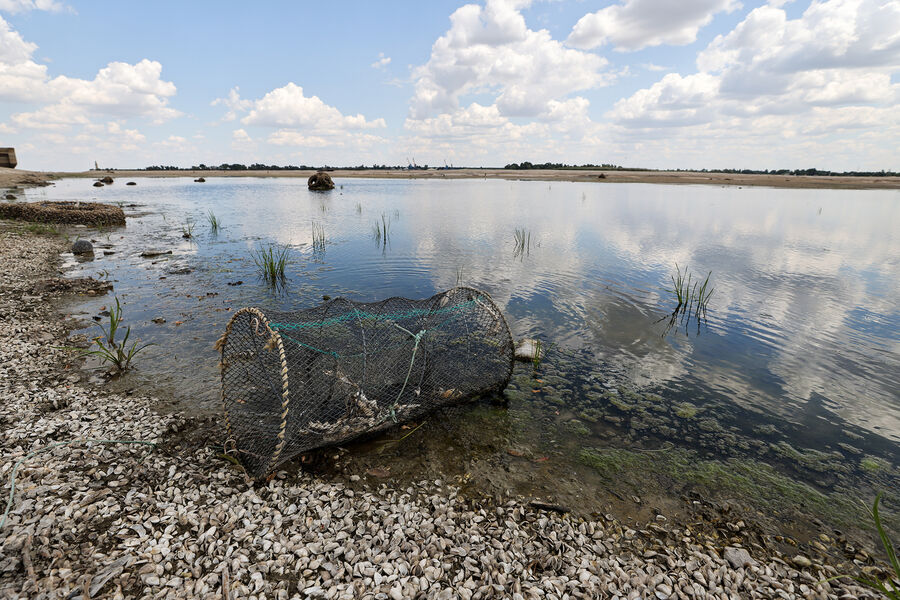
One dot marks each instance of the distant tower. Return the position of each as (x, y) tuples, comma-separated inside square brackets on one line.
[(96, 166)]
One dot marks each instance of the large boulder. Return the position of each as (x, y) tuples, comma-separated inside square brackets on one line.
[(107, 180), (320, 181), (98, 184)]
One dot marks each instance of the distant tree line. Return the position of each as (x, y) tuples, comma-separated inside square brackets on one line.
[(561, 166), (522, 166), (264, 167), (608, 167), (809, 172), (230, 167)]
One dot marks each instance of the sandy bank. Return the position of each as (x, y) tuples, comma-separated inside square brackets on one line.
[(9, 177)]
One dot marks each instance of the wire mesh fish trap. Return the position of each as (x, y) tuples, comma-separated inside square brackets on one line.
[(295, 381)]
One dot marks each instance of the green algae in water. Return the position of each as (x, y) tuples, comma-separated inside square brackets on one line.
[(814, 460), (873, 464), (577, 427), (753, 482), (686, 410)]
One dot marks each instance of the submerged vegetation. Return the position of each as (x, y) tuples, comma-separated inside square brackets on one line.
[(318, 237), (522, 240), (746, 478), (271, 262), (110, 350)]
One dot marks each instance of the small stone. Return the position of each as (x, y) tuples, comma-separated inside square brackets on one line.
[(529, 349), (82, 247), (738, 557), (802, 562)]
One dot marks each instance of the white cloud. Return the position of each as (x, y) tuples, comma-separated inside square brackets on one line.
[(119, 90), (529, 79), (19, 6), (20, 77), (288, 107), (811, 86), (636, 24), (241, 141), (491, 50), (382, 61), (234, 103)]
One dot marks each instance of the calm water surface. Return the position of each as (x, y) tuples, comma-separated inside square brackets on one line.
[(797, 363)]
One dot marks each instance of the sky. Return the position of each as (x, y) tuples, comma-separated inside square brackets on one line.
[(639, 83)]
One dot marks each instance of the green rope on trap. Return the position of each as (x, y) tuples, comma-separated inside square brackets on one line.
[(12, 477), (398, 316), (281, 327)]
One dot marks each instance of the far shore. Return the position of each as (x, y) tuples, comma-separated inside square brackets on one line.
[(17, 177)]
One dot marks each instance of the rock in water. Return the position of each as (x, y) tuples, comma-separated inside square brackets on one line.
[(131, 183), (320, 181), (738, 557), (98, 184), (82, 247), (106, 180), (10, 197), (200, 180), (528, 349)]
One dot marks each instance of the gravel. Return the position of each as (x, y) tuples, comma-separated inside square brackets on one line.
[(112, 520)]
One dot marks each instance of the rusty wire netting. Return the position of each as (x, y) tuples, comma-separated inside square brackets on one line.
[(300, 380)]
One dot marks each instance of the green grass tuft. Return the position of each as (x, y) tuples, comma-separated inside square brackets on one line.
[(213, 222), (42, 228), (271, 262), (111, 350), (381, 230)]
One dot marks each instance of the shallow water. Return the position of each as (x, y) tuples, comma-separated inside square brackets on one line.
[(797, 363)]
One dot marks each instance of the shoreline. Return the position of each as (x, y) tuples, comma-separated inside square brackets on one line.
[(16, 177), (134, 521)]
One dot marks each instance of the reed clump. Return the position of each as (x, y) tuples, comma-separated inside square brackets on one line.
[(271, 262), (213, 221), (381, 230), (692, 297)]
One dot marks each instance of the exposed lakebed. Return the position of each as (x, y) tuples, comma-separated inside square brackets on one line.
[(786, 397)]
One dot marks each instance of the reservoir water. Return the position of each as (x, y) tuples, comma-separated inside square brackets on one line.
[(792, 371)]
